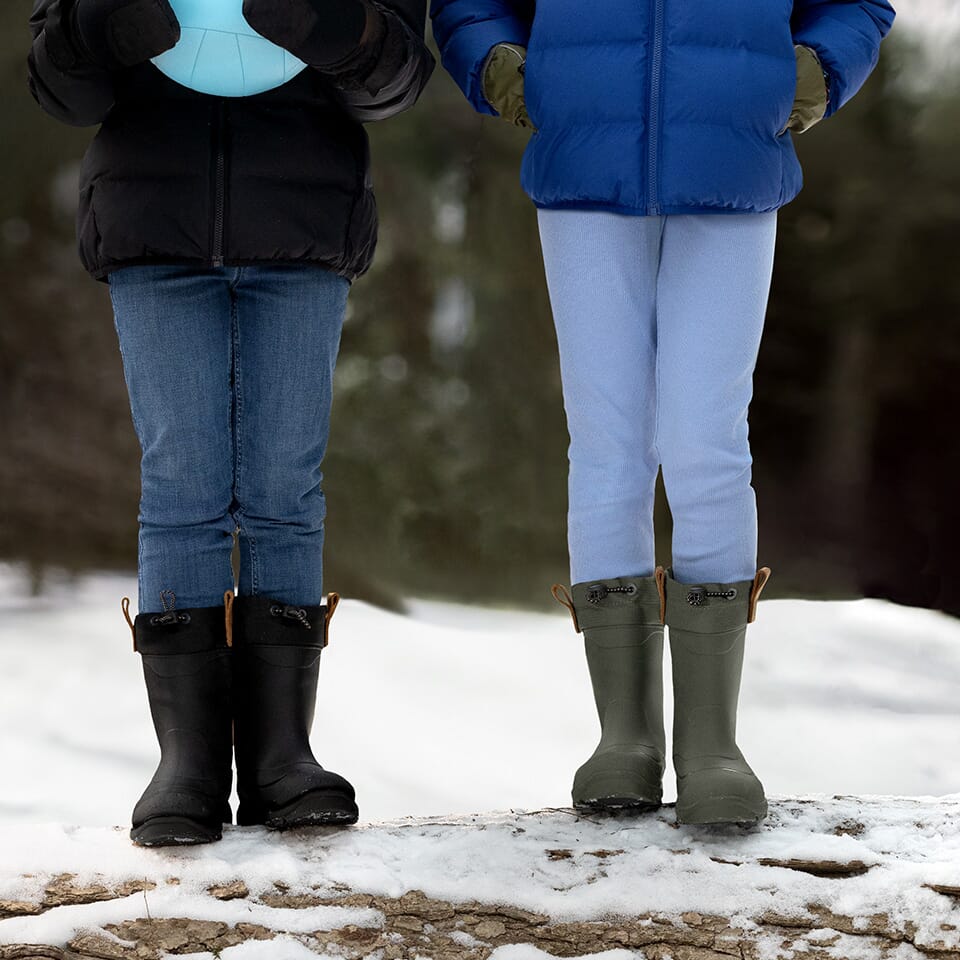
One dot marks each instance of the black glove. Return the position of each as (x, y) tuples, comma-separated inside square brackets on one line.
[(318, 32), (123, 33)]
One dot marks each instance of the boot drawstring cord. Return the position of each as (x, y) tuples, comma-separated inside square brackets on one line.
[(697, 595), (599, 591), (170, 617), (290, 612)]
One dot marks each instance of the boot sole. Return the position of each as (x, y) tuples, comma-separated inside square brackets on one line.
[(173, 832), (617, 805), (722, 811), (316, 809), (617, 790)]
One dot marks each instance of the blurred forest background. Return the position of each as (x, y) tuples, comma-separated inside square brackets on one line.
[(446, 470)]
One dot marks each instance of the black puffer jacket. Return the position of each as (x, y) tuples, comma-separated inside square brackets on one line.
[(175, 176)]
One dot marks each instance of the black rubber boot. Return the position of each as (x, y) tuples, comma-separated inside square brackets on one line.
[(277, 651), (707, 624), (623, 638), (186, 665)]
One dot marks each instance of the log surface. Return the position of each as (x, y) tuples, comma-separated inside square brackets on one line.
[(822, 878)]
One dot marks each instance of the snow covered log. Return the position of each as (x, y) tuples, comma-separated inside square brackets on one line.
[(840, 878)]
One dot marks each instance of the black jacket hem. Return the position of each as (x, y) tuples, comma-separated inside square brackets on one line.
[(102, 273)]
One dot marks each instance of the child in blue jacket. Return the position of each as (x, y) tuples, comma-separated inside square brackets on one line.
[(661, 151)]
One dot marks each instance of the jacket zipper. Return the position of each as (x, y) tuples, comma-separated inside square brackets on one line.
[(653, 134), (220, 184)]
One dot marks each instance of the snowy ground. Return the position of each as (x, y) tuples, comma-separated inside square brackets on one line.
[(459, 710), (550, 863), (455, 710)]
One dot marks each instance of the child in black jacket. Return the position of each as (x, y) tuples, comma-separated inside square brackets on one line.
[(229, 230)]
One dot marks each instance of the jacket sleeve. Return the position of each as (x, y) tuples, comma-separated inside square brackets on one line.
[(845, 35), (388, 74), (65, 84), (466, 30)]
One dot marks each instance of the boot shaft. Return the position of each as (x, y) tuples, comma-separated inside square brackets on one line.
[(277, 651), (623, 642), (187, 671), (707, 626)]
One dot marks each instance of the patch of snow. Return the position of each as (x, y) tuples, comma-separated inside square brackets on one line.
[(523, 951), (456, 709), (613, 866)]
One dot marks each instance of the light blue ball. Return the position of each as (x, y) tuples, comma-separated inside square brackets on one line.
[(221, 54)]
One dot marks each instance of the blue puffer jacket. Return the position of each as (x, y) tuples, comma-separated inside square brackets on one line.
[(662, 106)]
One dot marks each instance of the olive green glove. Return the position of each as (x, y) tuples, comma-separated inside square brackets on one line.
[(810, 103), (503, 83)]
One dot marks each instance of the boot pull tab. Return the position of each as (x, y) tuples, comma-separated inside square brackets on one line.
[(333, 599), (562, 596), (228, 599), (125, 607), (660, 575), (759, 582)]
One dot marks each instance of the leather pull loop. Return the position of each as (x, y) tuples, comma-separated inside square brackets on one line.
[(562, 596), (333, 600), (125, 607), (759, 582), (660, 575), (228, 599)]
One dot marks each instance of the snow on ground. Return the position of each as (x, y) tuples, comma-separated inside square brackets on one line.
[(551, 863), (454, 710)]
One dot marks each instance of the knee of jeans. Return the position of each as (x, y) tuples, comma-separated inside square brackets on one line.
[(188, 500), (280, 499)]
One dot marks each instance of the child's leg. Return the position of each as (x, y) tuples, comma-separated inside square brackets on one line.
[(712, 297), (174, 329), (601, 271), (286, 335)]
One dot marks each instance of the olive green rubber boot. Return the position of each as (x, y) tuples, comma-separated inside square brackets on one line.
[(707, 624), (623, 635)]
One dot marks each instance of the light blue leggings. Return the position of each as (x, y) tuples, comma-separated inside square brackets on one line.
[(659, 322)]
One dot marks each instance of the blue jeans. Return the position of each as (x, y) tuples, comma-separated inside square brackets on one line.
[(230, 375), (659, 321)]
